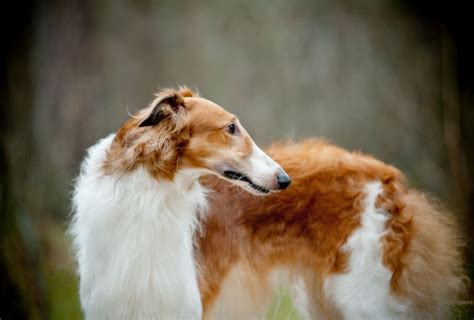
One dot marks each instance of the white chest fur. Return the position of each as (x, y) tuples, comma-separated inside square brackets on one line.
[(133, 239)]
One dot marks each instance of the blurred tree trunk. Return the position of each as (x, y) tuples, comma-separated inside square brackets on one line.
[(453, 112), (454, 21), (21, 286)]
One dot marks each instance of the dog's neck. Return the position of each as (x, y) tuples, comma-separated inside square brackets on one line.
[(178, 201), (139, 241)]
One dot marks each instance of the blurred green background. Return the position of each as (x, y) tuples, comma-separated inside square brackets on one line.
[(390, 78)]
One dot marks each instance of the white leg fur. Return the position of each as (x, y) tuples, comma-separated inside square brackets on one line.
[(133, 241), (364, 291), (247, 295), (243, 295)]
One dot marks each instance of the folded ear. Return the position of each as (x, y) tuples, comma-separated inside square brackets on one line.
[(167, 103)]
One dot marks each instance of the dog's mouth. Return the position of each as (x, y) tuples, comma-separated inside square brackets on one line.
[(233, 175)]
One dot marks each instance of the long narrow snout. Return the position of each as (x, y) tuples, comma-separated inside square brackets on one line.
[(266, 172), (259, 173)]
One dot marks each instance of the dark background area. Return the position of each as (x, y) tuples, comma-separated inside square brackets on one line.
[(390, 78)]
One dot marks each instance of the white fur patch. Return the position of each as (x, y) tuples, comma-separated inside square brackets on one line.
[(243, 295), (364, 291), (263, 169), (133, 242)]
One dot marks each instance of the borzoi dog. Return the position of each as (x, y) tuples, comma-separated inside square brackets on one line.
[(349, 239), (137, 198)]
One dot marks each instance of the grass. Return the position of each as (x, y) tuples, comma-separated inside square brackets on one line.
[(282, 308), (63, 296)]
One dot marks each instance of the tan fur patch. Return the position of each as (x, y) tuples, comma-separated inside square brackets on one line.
[(305, 226), (191, 133)]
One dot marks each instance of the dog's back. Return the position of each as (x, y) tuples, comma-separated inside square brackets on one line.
[(349, 238)]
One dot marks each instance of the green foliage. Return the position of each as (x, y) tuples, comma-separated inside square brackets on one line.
[(282, 308), (63, 295), (463, 311)]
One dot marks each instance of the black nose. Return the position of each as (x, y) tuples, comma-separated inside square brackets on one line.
[(283, 181)]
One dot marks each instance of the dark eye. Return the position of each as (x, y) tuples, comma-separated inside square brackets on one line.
[(231, 128)]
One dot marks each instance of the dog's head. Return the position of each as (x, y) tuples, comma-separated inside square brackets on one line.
[(181, 130)]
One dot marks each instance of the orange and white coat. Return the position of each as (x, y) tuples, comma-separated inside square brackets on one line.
[(349, 239), (137, 199)]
